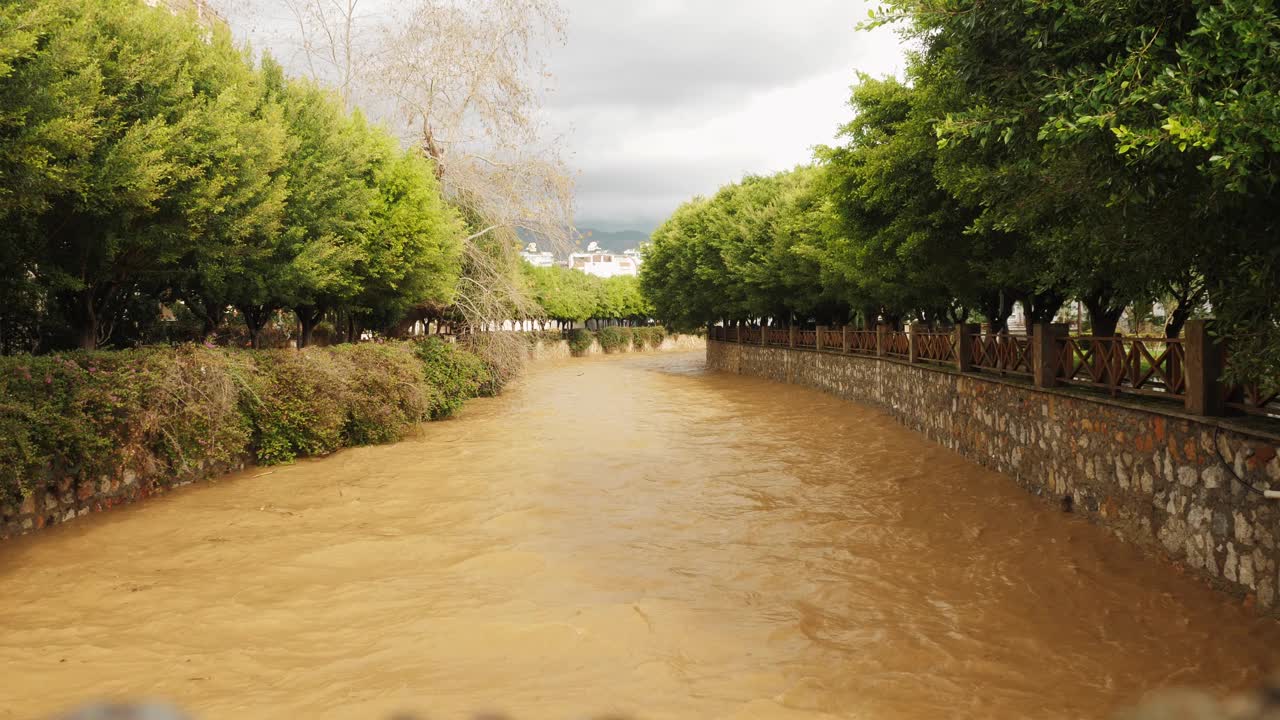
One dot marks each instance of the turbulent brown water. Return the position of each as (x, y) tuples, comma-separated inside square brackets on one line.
[(629, 536)]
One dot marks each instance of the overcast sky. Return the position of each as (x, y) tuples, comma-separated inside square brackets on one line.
[(661, 100), (666, 99)]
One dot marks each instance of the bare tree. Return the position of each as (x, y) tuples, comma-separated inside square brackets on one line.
[(462, 80), (327, 33), (465, 78)]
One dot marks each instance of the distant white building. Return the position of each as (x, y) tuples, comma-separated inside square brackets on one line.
[(605, 264), (531, 255)]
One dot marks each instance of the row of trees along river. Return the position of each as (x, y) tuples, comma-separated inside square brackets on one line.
[(1115, 154), (161, 182), (145, 159)]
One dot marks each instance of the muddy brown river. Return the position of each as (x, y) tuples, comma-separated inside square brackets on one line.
[(629, 537)]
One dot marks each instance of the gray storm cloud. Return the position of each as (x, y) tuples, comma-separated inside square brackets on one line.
[(661, 100)]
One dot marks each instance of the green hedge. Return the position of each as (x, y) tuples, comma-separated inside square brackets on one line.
[(614, 339), (650, 337), (173, 411), (580, 342), (456, 374)]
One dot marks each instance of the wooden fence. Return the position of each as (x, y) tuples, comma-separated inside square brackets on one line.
[(1184, 370)]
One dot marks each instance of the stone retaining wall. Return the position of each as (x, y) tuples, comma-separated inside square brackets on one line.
[(558, 349), (65, 499), (1156, 476)]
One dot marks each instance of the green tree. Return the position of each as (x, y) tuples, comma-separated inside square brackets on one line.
[(993, 66), (413, 249), (1187, 102), (767, 229), (122, 127), (313, 262), (684, 274), (622, 299), (752, 251), (565, 295)]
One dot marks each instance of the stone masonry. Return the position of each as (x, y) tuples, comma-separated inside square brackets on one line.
[(64, 499), (1155, 476)]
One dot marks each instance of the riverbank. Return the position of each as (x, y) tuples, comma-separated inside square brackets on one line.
[(1158, 478), (84, 432)]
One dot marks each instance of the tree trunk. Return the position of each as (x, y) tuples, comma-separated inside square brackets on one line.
[(255, 318), (308, 317), (210, 315), (996, 308), (1103, 315), (1040, 307), (87, 319), (88, 339), (207, 310), (1189, 294), (1178, 318)]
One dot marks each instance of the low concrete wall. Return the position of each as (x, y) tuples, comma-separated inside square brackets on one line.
[(1157, 477)]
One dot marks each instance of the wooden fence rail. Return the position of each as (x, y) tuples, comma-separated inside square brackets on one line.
[(1184, 370), (897, 344), (1142, 366), (863, 342), (936, 347), (1001, 354)]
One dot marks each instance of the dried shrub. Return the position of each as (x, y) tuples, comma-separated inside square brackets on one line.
[(503, 355)]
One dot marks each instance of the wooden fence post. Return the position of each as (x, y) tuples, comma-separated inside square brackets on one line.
[(1205, 394), (844, 339), (791, 336), (764, 334), (817, 337), (1045, 351), (913, 341), (964, 346), (882, 340)]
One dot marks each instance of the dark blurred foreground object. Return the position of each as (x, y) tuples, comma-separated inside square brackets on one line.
[(1260, 704), (144, 711), (156, 711)]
